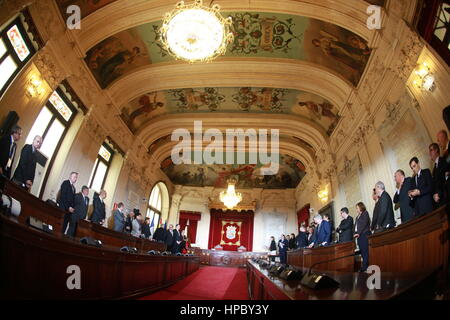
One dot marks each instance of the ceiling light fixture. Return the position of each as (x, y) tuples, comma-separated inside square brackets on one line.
[(195, 33), (230, 197)]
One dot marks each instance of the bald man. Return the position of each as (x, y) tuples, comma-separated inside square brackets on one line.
[(24, 174), (444, 144)]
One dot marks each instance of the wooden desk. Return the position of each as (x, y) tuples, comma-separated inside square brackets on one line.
[(305, 258), (228, 258), (34, 266), (419, 244), (353, 286)]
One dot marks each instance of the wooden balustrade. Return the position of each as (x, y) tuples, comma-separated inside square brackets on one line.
[(34, 207), (228, 258), (422, 243), (305, 258)]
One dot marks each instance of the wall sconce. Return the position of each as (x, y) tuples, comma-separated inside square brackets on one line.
[(34, 87), (426, 80), (323, 195)]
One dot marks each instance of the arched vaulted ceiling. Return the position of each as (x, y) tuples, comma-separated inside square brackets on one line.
[(292, 66)]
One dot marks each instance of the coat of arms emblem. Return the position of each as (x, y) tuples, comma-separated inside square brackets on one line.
[(231, 232)]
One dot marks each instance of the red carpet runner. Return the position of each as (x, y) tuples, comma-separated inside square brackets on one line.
[(208, 283)]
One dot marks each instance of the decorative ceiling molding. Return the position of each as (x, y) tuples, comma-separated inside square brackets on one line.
[(126, 14), (233, 72)]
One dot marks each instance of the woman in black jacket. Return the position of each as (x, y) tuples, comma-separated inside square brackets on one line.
[(273, 247), (362, 231)]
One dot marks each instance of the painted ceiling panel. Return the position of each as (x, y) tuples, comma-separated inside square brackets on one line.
[(290, 173), (264, 35), (230, 100)]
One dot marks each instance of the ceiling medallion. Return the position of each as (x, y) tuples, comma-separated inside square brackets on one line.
[(195, 33)]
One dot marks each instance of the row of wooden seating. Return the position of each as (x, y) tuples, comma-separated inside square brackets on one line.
[(420, 244), (36, 264), (227, 258), (34, 207)]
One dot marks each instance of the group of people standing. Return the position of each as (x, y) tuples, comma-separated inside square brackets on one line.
[(415, 196)]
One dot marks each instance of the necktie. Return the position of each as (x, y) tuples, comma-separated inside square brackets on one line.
[(13, 150)]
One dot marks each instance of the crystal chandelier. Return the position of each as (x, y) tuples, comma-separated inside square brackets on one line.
[(195, 33), (230, 197)]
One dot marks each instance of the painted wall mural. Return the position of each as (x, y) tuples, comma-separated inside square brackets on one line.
[(244, 100), (87, 6), (266, 35), (248, 175)]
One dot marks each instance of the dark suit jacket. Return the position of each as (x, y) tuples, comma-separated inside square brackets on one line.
[(322, 233), (81, 206), (423, 204), (99, 212), (27, 165), (302, 240), (273, 246), (439, 180), (145, 229), (160, 234), (5, 148), (362, 224), (402, 198), (292, 243), (383, 217), (169, 238), (66, 196), (345, 230), (285, 245)]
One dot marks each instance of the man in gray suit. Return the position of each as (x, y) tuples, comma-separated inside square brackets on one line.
[(119, 218)]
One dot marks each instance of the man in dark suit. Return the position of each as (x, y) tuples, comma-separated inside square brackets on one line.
[(24, 174), (177, 239), (80, 210), (345, 229), (145, 228), (439, 169), (322, 233), (444, 143), (301, 241), (8, 147), (66, 198), (401, 197), (159, 234), (384, 214), (375, 208), (169, 238), (422, 188), (99, 213)]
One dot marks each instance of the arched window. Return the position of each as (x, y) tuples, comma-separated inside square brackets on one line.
[(158, 204)]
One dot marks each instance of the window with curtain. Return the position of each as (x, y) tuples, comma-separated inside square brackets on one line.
[(16, 49), (101, 167), (52, 124)]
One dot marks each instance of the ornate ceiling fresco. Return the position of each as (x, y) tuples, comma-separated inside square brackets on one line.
[(263, 35), (290, 174), (230, 100)]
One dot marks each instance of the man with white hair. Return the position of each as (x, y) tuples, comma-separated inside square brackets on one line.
[(323, 232), (383, 215), (24, 174)]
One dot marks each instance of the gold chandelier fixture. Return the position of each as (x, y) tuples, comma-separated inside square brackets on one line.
[(195, 33), (230, 197)]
